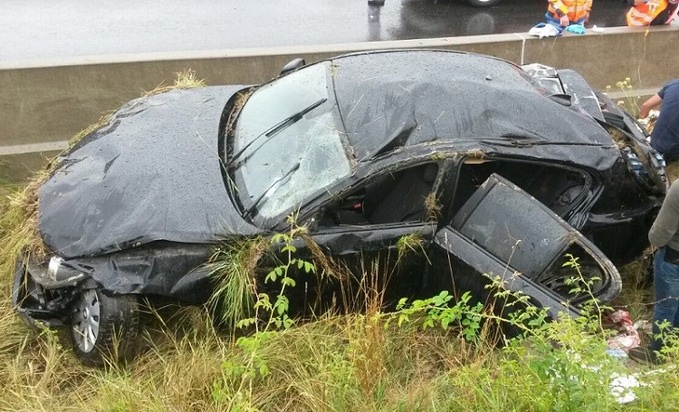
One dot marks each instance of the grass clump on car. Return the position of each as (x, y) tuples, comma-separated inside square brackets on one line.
[(232, 266)]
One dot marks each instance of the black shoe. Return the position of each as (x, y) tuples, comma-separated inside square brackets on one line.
[(644, 355)]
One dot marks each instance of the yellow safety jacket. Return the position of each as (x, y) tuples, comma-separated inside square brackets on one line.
[(643, 14), (576, 10)]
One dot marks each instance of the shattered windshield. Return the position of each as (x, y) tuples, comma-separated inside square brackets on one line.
[(287, 145)]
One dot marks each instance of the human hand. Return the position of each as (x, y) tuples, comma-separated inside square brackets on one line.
[(564, 21)]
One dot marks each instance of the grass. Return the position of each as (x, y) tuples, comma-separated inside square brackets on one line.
[(233, 267), (349, 362), (336, 363), (183, 80)]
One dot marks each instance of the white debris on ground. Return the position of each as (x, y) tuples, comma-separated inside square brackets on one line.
[(622, 388)]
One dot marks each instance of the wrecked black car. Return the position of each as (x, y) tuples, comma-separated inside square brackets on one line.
[(498, 169)]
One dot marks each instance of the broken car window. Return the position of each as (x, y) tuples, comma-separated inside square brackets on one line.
[(555, 187), (288, 143), (562, 278), (400, 196)]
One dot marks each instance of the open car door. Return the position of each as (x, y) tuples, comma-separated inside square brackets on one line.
[(503, 231)]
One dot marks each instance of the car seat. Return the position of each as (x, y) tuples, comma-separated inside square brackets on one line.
[(400, 197)]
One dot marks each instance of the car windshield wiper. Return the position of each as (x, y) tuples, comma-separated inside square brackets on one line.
[(248, 213), (272, 131)]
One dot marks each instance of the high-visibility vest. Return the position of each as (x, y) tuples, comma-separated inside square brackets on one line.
[(574, 9), (643, 14)]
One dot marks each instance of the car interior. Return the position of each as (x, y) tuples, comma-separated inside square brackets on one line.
[(555, 187), (390, 198)]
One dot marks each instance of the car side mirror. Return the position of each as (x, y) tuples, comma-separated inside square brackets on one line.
[(293, 65)]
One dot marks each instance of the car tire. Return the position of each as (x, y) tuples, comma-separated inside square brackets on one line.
[(104, 327), (483, 3)]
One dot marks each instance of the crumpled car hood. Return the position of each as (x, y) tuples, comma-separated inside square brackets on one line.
[(155, 176)]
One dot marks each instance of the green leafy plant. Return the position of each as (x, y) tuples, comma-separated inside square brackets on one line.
[(235, 386), (437, 311), (592, 310)]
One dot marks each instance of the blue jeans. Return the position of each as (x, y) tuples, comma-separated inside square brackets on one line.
[(555, 22), (666, 309)]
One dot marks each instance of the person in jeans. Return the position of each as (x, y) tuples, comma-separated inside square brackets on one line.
[(664, 234), (567, 13), (665, 135)]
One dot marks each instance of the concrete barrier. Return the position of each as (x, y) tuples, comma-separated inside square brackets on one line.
[(44, 103)]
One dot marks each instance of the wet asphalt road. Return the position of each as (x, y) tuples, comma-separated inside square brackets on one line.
[(65, 28)]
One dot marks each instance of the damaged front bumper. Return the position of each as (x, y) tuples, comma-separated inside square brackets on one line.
[(43, 292)]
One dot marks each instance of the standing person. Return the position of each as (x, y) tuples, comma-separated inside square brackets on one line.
[(651, 12), (565, 13), (664, 234), (665, 135)]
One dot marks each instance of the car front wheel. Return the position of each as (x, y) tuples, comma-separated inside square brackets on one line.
[(483, 3), (104, 327)]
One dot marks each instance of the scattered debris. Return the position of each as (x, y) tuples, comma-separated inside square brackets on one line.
[(629, 336), (544, 30)]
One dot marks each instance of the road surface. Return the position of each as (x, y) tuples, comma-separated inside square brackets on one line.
[(39, 29)]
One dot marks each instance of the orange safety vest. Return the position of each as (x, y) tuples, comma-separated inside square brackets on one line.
[(643, 14), (574, 9)]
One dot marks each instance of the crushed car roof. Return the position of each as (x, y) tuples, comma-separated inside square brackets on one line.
[(413, 96)]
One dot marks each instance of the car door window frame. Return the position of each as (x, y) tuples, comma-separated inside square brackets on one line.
[(483, 258)]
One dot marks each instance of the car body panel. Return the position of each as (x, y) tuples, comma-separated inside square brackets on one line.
[(153, 173), (349, 239), (469, 100)]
